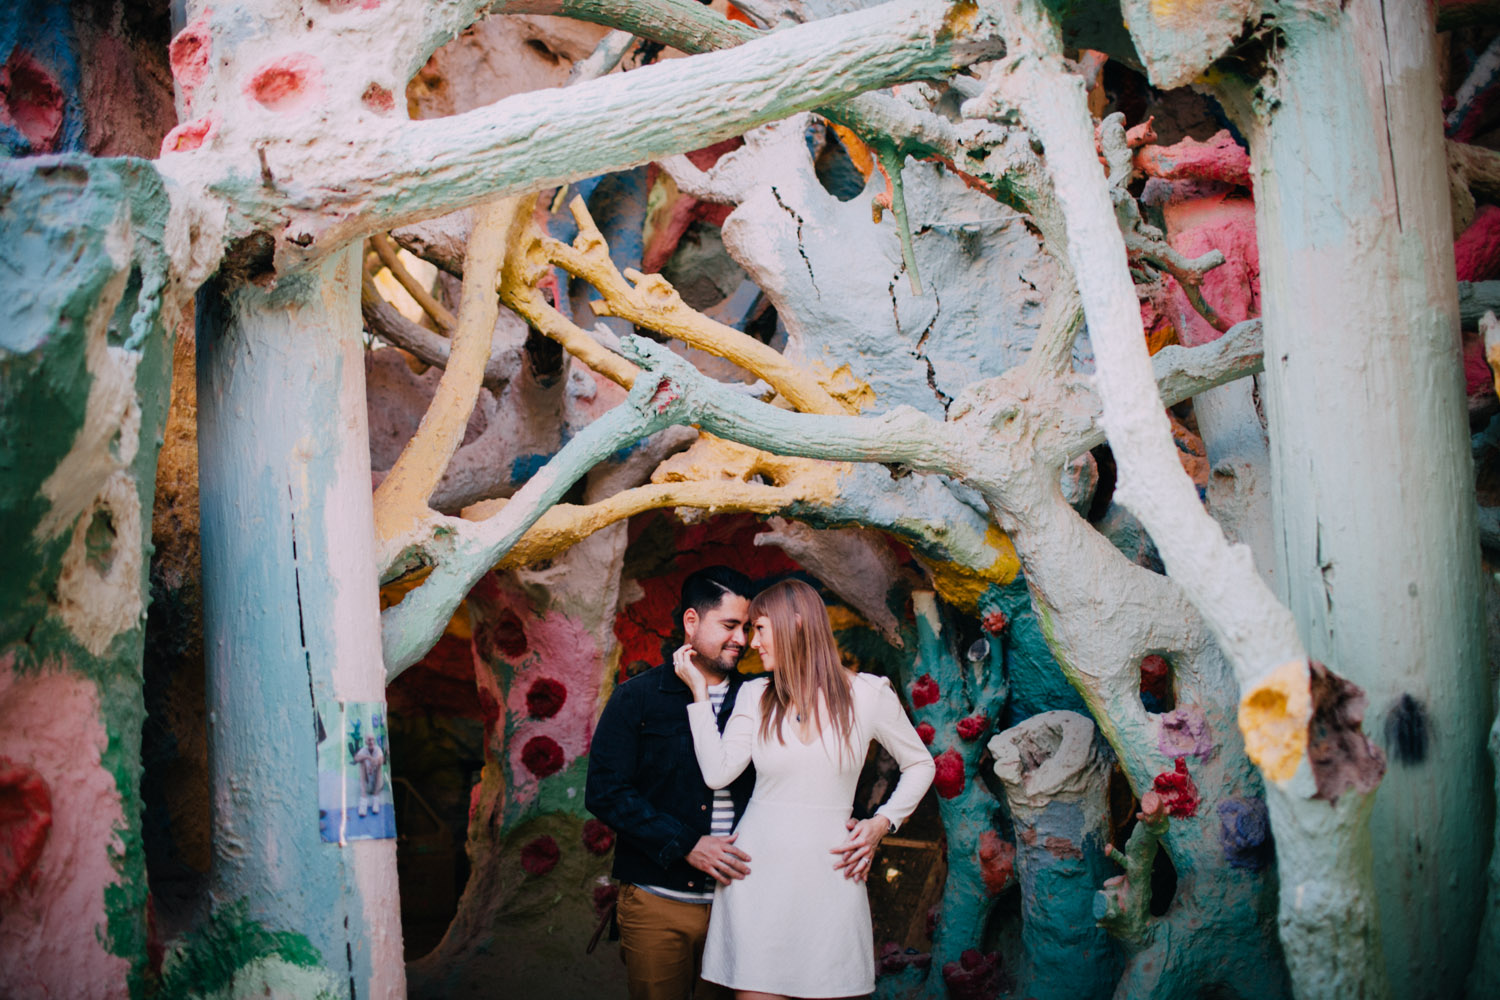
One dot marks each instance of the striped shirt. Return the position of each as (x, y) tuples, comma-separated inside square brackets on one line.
[(721, 823)]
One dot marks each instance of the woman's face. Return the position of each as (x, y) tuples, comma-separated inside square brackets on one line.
[(760, 641)]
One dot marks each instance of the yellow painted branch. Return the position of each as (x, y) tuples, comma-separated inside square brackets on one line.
[(401, 500), (653, 302), (391, 258), (525, 265)]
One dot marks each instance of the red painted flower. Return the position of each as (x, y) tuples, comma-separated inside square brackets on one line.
[(973, 727), (25, 822), (540, 856), (924, 691), (597, 837), (542, 756), (545, 697), (995, 622), (925, 730), (604, 897), (1177, 790), (949, 780)]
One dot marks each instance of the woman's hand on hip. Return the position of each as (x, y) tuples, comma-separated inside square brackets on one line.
[(682, 663), (857, 853)]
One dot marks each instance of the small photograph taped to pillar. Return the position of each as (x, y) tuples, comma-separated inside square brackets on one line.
[(354, 776)]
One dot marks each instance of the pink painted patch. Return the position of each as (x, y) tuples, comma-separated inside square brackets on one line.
[(1185, 733), (1215, 221), (189, 54), (189, 135), (31, 101), (1218, 159), (927, 733), (53, 938), (25, 821), (287, 83), (378, 99), (995, 622)]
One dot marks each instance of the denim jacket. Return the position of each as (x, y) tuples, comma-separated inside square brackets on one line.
[(644, 781)]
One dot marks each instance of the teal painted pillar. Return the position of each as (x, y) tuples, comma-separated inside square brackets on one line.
[(291, 631), (1056, 782), (1372, 480)]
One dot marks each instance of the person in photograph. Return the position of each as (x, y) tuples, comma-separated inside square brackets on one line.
[(676, 836), (371, 761), (799, 925)]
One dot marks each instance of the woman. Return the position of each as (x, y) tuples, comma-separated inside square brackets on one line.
[(799, 924)]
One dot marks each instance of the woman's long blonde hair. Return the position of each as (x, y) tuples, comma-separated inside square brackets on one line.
[(807, 661)]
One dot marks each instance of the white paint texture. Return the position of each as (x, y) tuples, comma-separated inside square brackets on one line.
[(836, 278), (1052, 758), (53, 928)]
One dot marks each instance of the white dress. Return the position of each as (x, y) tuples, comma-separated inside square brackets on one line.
[(795, 925)]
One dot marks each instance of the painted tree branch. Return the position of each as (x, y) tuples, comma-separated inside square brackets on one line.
[(384, 321), (431, 306), (315, 196), (401, 500), (461, 551)]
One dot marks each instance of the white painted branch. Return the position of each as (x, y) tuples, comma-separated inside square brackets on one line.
[(1257, 631), (320, 194)]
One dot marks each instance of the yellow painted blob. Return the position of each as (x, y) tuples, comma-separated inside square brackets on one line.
[(962, 587), (1273, 719)]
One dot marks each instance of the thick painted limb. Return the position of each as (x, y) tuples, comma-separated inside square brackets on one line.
[(401, 500), (384, 321), (1256, 632), (322, 194), (290, 614), (1352, 217)]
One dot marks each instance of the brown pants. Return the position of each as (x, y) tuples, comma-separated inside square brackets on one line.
[(661, 941)]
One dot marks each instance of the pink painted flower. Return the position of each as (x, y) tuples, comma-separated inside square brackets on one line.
[(973, 727), (927, 732)]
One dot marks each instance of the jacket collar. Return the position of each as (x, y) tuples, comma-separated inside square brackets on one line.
[(671, 682)]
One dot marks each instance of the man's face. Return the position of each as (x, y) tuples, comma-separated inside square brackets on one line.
[(370, 742), (718, 634)]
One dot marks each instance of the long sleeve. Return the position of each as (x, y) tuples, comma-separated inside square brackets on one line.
[(610, 789), (894, 732), (722, 758)]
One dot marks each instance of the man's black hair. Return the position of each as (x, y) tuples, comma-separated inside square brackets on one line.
[(705, 588)]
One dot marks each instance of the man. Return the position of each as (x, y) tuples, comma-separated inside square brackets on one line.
[(370, 759), (675, 833)]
